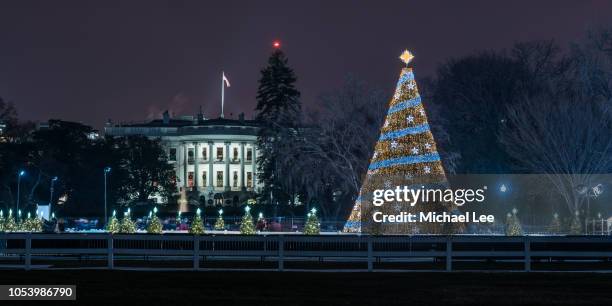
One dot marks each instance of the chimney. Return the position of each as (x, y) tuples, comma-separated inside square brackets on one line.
[(241, 117), (200, 116), (166, 117)]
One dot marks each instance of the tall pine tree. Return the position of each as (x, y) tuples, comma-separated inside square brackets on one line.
[(279, 112)]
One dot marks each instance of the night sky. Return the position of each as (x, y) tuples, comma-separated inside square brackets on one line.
[(89, 61)]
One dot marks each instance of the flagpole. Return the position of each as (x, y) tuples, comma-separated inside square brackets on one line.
[(222, 92)]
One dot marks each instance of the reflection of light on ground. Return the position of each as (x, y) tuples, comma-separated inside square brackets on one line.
[(182, 202)]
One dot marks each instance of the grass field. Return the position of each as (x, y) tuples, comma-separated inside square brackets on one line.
[(101, 287)]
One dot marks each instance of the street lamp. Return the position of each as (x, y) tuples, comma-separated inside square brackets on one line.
[(107, 170), (51, 195), (19, 175)]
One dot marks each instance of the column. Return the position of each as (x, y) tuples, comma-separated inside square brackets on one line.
[(196, 172), (210, 167), (254, 165), (185, 174), (226, 184), (242, 174)]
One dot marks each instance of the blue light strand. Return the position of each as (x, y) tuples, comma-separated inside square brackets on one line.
[(403, 132), (404, 105), (406, 160)]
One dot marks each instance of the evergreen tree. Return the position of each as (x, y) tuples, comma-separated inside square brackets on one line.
[(246, 224), (197, 226), (155, 225), (113, 225), (9, 222), (127, 225), (404, 155), (2, 221), (576, 225), (513, 225), (555, 225), (219, 223), (312, 226), (279, 112)]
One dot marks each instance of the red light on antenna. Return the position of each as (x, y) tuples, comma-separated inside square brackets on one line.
[(276, 44)]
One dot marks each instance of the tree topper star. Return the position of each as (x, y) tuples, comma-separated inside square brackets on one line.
[(406, 57)]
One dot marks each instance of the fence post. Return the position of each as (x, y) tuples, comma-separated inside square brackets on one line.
[(281, 253), (28, 251), (527, 254), (110, 254), (449, 254), (196, 252), (370, 251)]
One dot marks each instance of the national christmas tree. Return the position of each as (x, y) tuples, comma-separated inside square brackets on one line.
[(405, 155)]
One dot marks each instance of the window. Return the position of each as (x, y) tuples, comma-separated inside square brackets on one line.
[(204, 155), (249, 156), (190, 155), (249, 179), (172, 154), (219, 178), (220, 154), (235, 154), (204, 181), (235, 179), (190, 179)]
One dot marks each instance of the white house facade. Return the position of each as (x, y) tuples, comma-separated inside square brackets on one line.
[(212, 158)]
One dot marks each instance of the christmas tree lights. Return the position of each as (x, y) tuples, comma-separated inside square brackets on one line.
[(513, 225), (219, 223), (113, 225), (246, 224), (197, 226), (127, 225), (312, 226), (404, 155), (155, 225)]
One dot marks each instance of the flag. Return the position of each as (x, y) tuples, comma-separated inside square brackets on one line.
[(225, 80)]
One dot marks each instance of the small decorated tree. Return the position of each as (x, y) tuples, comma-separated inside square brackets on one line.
[(513, 226), (576, 225), (9, 223), (555, 224), (19, 223), (197, 226), (312, 226), (113, 225), (219, 223), (155, 225), (246, 224), (127, 225), (2, 221)]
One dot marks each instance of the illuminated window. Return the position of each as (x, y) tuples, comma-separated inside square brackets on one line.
[(219, 178), (204, 178), (249, 179), (220, 154), (204, 154), (249, 156), (235, 179)]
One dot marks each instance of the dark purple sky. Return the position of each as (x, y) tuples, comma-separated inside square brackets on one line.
[(128, 60)]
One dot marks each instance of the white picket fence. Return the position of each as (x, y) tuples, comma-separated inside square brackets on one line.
[(282, 248)]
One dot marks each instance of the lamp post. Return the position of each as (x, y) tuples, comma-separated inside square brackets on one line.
[(106, 172), (19, 175), (51, 196)]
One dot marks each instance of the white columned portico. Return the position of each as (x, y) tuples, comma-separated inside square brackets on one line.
[(254, 165), (196, 172), (242, 174), (210, 167), (185, 175), (226, 185)]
